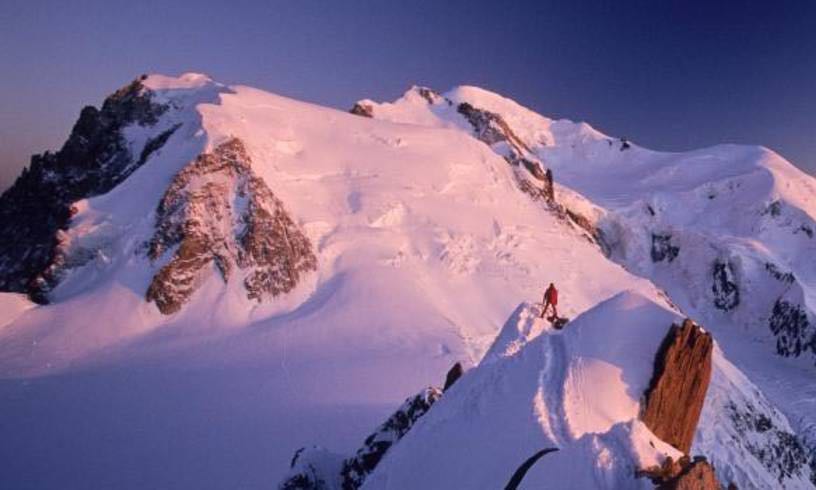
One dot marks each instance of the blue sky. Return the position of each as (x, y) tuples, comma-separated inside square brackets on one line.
[(670, 75)]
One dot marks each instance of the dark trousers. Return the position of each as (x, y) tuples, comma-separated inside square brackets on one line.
[(546, 306)]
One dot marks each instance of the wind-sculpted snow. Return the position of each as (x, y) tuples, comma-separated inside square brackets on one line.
[(217, 212)]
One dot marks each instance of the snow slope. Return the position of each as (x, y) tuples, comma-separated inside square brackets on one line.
[(578, 390), (424, 244), (12, 305)]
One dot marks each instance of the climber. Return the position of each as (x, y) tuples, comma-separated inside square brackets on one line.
[(550, 299)]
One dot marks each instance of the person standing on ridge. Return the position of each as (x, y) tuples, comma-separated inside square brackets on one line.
[(550, 299)]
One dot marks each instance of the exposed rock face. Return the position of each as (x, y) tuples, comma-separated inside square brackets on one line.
[(431, 96), (662, 248), (683, 475), (218, 212), (725, 288), (779, 451), (492, 129), (778, 274), (314, 468), (790, 323), (625, 145), (594, 234), (362, 109), (676, 393), (93, 161), (453, 375), (357, 468)]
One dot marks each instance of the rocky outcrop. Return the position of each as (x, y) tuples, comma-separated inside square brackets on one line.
[(313, 468), (358, 467), (789, 320), (725, 288), (780, 452), (94, 159), (682, 372), (317, 469), (662, 248), (362, 109), (217, 212), (456, 372), (684, 474), (778, 274), (790, 324), (431, 96), (492, 129)]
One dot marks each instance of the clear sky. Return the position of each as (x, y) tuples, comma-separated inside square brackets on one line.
[(669, 75)]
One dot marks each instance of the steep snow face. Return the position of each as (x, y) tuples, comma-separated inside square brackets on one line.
[(580, 390)]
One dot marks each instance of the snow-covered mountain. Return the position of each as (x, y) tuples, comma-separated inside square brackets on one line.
[(225, 275)]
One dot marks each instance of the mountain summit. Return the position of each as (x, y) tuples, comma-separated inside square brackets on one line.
[(211, 277)]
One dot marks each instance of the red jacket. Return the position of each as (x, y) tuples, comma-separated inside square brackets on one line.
[(551, 296)]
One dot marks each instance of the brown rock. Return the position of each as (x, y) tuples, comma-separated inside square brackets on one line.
[(678, 387), (683, 475), (697, 476), (218, 213)]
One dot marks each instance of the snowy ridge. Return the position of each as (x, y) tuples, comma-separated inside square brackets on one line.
[(587, 384)]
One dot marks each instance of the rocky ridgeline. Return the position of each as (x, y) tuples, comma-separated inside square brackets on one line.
[(491, 129), (94, 159), (682, 372), (531, 175), (218, 212), (357, 468), (310, 472), (317, 469)]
